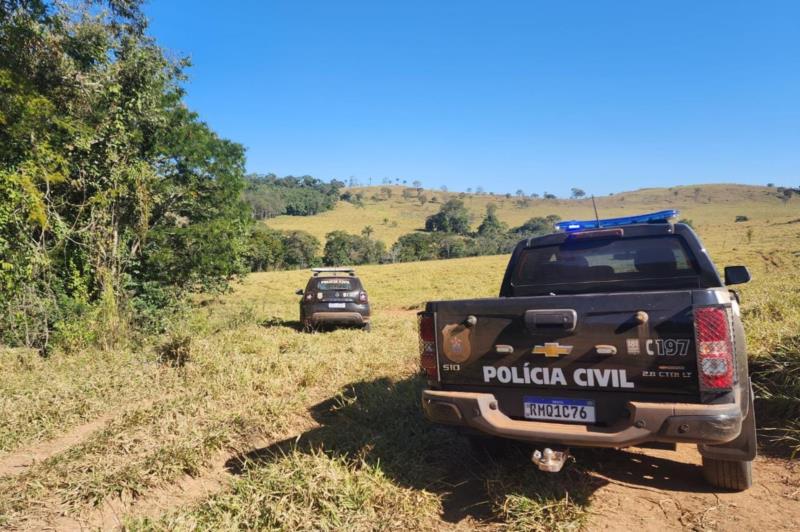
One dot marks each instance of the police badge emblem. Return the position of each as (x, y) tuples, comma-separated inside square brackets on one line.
[(456, 342)]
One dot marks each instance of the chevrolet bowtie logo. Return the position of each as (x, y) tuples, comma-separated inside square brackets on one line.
[(552, 349)]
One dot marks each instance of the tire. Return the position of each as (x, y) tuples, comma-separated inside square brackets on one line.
[(367, 327), (729, 475)]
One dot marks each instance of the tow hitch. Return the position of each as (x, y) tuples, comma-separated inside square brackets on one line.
[(549, 460)]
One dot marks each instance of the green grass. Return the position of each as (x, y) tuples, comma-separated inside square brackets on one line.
[(346, 444)]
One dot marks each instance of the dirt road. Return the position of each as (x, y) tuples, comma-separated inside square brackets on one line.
[(658, 490), (634, 489)]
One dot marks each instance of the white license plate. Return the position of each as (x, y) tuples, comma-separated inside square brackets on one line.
[(580, 410), (336, 305)]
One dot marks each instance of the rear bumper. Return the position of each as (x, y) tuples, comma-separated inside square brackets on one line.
[(344, 318), (647, 422)]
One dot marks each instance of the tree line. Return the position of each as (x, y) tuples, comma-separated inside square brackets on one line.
[(447, 235)]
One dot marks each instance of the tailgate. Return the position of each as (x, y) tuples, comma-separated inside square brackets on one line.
[(627, 342)]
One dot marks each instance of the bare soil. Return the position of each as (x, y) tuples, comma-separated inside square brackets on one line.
[(17, 462), (647, 489)]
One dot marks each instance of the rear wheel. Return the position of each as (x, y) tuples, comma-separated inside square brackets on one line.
[(727, 474), (367, 327)]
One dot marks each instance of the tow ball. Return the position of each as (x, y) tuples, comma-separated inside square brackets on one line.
[(549, 460)]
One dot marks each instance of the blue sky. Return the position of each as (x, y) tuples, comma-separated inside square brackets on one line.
[(605, 96)]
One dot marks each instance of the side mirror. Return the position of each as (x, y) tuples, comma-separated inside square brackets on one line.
[(299, 292), (736, 275)]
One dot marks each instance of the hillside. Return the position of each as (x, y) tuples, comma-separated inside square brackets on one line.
[(709, 206)]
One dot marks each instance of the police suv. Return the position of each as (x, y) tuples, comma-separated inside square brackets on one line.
[(609, 333), (334, 296)]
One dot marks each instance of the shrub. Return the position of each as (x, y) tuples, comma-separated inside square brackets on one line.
[(536, 226), (176, 351), (741, 218)]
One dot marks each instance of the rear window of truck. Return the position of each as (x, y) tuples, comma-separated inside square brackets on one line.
[(662, 262)]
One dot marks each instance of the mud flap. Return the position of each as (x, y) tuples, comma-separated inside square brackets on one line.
[(741, 449)]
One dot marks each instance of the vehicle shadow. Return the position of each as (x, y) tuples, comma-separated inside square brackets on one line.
[(297, 325), (380, 422), (276, 321)]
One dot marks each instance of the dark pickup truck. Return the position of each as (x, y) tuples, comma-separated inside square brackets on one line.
[(607, 337)]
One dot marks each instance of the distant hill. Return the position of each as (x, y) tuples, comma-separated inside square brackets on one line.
[(391, 217)]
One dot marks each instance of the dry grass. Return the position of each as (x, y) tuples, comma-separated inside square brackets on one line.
[(714, 206), (369, 461)]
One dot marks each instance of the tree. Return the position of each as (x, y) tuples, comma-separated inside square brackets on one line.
[(520, 193), (415, 246), (577, 193), (422, 198), (417, 183), (300, 249), (342, 249), (265, 249), (548, 196), (111, 187), (536, 226), (491, 226), (367, 231), (443, 188), (479, 190), (452, 217)]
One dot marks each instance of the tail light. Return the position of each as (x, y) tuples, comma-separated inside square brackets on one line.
[(309, 296), (714, 348), (427, 346), (362, 297)]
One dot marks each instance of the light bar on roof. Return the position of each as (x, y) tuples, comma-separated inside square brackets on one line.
[(650, 218)]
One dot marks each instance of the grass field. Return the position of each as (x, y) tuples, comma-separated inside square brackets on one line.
[(323, 431)]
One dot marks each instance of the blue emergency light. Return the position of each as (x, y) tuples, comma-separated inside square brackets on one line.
[(650, 218)]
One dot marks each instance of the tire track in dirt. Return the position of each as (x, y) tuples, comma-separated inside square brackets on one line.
[(653, 490), (215, 478), (18, 462)]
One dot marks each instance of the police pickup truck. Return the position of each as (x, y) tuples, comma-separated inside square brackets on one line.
[(609, 333)]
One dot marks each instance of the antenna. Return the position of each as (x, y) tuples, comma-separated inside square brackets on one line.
[(596, 216)]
